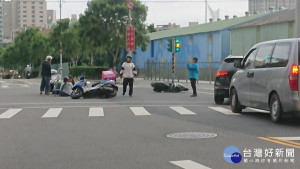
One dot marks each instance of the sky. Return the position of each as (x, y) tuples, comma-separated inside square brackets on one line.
[(162, 12)]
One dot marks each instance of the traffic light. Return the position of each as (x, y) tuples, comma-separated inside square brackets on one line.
[(170, 45), (177, 45)]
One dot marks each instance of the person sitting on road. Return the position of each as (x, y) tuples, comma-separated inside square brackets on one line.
[(66, 88)]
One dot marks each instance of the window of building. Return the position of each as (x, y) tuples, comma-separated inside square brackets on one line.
[(24, 11), (262, 59), (33, 12), (33, 7), (41, 16), (41, 12), (281, 55), (33, 21), (41, 21), (24, 2), (33, 16), (191, 40), (24, 16), (32, 2), (24, 20)]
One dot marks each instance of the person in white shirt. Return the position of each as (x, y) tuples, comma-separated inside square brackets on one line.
[(128, 72)]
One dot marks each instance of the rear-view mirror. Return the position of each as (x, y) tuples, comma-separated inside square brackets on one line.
[(238, 63)]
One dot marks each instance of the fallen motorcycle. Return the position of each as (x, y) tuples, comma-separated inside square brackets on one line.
[(55, 77), (168, 87), (104, 88)]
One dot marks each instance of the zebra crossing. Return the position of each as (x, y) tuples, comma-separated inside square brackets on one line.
[(188, 164), (101, 111)]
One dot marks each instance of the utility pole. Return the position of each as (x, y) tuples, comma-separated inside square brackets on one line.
[(297, 27), (205, 11), (60, 50)]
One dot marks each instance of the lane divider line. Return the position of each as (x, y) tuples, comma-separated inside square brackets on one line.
[(278, 142)]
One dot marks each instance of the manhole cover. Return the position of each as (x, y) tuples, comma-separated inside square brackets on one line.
[(192, 135)]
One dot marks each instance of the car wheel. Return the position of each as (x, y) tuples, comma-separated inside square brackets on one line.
[(234, 102), (219, 99), (275, 109)]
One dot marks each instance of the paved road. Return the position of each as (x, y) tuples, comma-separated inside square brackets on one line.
[(131, 132)]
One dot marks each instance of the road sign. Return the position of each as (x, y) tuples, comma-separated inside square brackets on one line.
[(130, 4), (130, 38)]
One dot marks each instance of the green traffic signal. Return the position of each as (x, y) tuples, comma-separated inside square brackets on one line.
[(177, 45)]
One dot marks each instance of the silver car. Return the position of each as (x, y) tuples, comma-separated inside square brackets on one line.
[(268, 79)]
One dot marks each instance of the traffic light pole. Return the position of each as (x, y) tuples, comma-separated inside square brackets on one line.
[(173, 59)]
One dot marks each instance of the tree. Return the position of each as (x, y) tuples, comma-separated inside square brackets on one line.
[(151, 28), (103, 27)]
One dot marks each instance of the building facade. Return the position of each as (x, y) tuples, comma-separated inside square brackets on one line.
[(1, 21), (278, 26), (210, 43), (51, 18), (73, 19), (256, 6), (18, 15)]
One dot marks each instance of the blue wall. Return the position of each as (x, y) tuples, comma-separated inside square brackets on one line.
[(201, 45)]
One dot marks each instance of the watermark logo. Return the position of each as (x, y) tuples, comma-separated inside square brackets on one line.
[(232, 155)]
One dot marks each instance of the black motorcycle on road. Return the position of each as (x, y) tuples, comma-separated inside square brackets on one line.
[(104, 88), (168, 87)]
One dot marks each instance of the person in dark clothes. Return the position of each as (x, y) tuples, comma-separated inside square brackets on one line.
[(128, 72), (46, 75), (193, 68)]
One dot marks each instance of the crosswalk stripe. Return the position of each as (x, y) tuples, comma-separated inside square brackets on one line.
[(96, 112), (188, 164), (139, 111), (52, 113), (259, 110), (223, 110), (4, 86), (9, 113), (182, 111)]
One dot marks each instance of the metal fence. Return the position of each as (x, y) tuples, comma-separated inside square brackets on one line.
[(163, 71)]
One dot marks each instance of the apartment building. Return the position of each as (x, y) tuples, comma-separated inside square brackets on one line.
[(265, 5)]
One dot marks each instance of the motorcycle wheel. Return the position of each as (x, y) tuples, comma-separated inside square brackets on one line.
[(77, 93)]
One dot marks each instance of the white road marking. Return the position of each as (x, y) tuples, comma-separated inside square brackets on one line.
[(259, 110), (4, 86), (188, 164), (9, 113), (223, 110), (96, 112), (182, 111), (139, 111), (52, 113), (25, 85), (205, 92), (289, 138)]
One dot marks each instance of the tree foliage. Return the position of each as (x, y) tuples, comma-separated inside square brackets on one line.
[(96, 39)]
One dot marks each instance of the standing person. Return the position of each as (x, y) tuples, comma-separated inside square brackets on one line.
[(46, 75), (128, 72), (193, 68)]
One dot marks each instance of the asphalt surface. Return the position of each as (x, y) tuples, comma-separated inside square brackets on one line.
[(49, 132)]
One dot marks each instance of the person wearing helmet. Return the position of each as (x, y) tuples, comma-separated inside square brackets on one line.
[(27, 71), (128, 72), (46, 76)]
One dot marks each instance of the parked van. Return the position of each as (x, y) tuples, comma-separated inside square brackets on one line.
[(268, 79)]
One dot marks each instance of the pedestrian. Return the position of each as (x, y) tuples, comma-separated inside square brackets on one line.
[(193, 68), (128, 72), (46, 75)]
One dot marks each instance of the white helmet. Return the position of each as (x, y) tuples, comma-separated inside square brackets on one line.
[(49, 58)]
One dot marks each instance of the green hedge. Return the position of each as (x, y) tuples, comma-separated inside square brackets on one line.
[(90, 72)]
